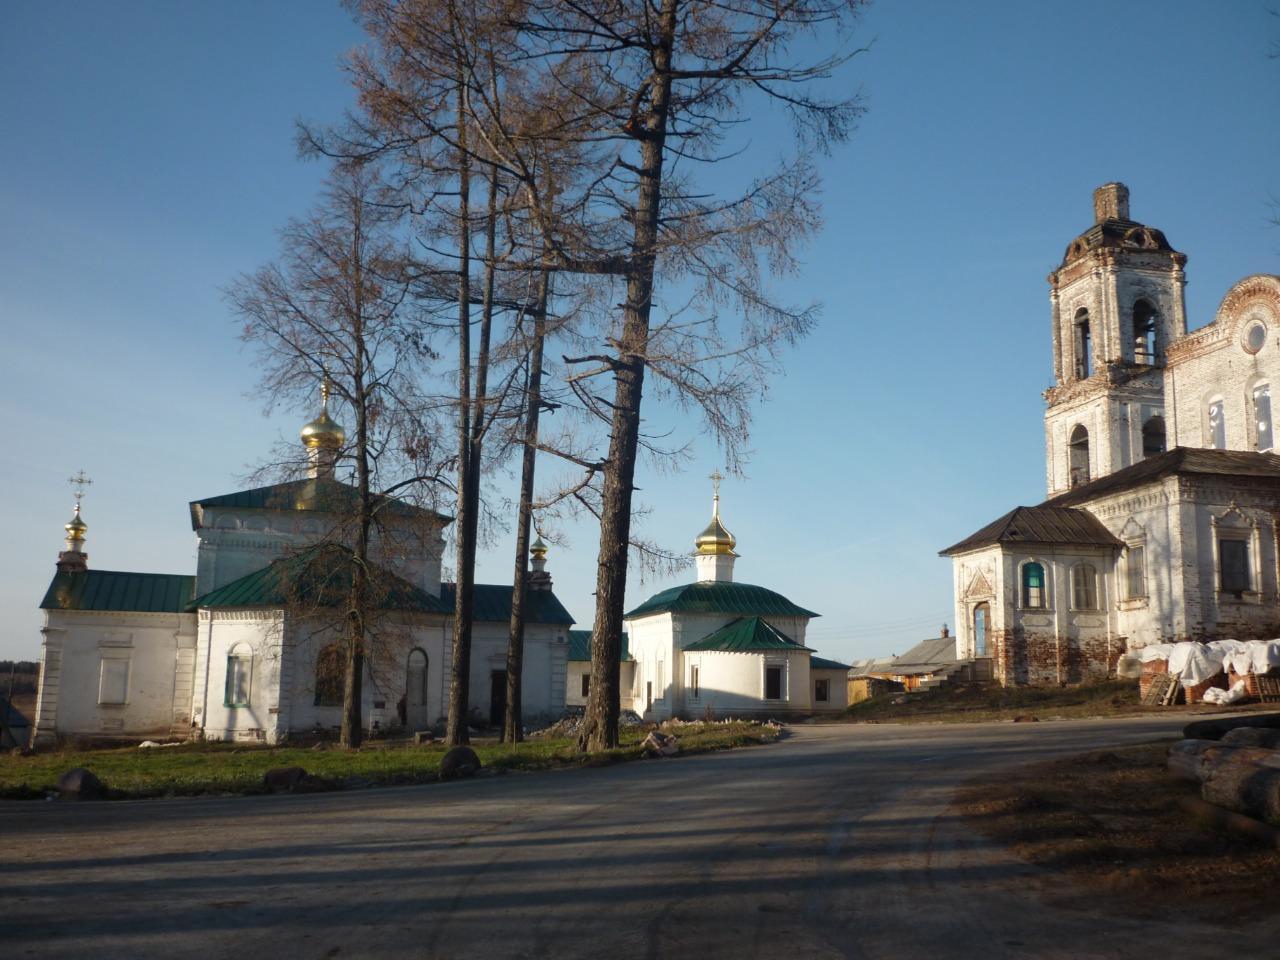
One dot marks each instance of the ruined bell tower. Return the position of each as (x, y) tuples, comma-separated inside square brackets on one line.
[(1117, 303)]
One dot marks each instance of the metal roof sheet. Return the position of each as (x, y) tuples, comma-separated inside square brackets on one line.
[(715, 597), (1042, 524), (580, 645), (1179, 460), (318, 577), (317, 494), (746, 633), (114, 590), (493, 604), (820, 663)]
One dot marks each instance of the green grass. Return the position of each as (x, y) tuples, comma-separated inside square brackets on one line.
[(208, 768)]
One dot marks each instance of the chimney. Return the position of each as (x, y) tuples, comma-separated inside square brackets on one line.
[(945, 632), (1111, 202)]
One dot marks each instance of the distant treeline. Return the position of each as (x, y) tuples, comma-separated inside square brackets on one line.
[(24, 674)]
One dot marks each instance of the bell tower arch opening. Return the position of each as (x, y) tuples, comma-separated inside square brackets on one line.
[(1145, 342), (1078, 455), (1083, 340)]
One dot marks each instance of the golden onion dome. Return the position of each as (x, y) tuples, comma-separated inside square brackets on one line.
[(323, 431), (715, 538), (76, 526), (538, 550)]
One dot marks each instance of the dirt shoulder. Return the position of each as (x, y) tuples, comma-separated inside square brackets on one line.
[(969, 703), (1109, 824)]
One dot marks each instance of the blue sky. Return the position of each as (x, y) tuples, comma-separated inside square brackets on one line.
[(149, 159)]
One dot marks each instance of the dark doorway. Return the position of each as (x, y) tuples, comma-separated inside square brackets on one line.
[(773, 683), (497, 697)]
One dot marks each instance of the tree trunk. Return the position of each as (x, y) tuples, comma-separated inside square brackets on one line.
[(513, 722), (352, 730), (600, 724), (464, 594)]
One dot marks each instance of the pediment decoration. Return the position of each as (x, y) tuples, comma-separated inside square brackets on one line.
[(1233, 516), (979, 586), (1132, 530)]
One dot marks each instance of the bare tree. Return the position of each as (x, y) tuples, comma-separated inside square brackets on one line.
[(334, 310), (659, 84)]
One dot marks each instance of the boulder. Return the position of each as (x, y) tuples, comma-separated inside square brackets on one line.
[(658, 744), (81, 784), (1253, 737), (1215, 729), (284, 779), (459, 762)]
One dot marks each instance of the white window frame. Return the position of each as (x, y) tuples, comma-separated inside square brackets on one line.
[(127, 663), (1248, 532), (1046, 570), (1209, 403), (240, 653), (1093, 572), (784, 680)]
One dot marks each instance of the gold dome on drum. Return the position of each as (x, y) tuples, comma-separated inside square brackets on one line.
[(76, 526), (716, 538), (323, 431)]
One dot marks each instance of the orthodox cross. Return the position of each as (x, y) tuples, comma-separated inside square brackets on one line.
[(79, 481), (715, 479)]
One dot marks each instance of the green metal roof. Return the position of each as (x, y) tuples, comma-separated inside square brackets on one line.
[(117, 591), (318, 577), (746, 633), (321, 494), (709, 596), (818, 663), (580, 645), (493, 604)]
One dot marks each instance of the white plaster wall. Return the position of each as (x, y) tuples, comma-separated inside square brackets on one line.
[(577, 669), (837, 689), (1212, 362), (261, 634), (733, 684), (74, 645)]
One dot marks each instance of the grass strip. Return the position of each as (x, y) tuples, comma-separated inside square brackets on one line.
[(197, 768)]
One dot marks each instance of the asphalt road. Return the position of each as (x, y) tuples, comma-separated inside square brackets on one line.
[(837, 842)]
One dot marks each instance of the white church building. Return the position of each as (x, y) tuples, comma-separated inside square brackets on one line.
[(1163, 480), (247, 647), (723, 648)]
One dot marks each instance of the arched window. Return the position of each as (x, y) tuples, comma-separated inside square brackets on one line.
[(1216, 424), (981, 627), (331, 675), (1084, 587), (1144, 332), (1083, 345), (415, 690), (1153, 436), (1078, 451), (239, 676), (1264, 438), (1033, 587)]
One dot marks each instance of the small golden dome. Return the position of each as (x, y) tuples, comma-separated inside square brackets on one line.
[(715, 539), (538, 550), (323, 431), (76, 526)]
